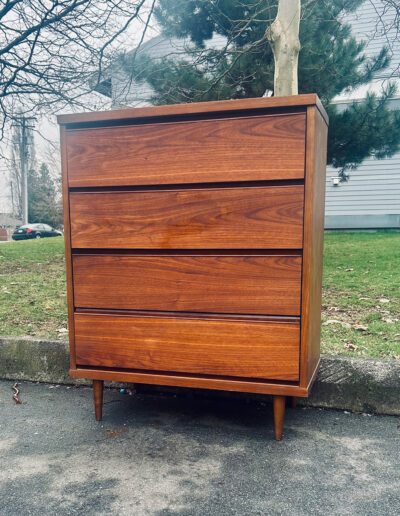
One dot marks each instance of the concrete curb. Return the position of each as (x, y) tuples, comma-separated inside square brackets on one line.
[(354, 384), (357, 384)]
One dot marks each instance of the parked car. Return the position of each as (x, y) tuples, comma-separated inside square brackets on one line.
[(34, 231)]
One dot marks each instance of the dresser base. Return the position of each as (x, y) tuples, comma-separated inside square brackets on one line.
[(279, 403), (220, 383), (281, 392)]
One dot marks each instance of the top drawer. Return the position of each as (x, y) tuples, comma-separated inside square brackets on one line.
[(243, 149)]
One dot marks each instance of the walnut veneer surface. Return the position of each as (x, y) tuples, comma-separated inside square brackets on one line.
[(194, 243)]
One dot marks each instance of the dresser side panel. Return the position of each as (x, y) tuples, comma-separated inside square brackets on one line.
[(313, 244)]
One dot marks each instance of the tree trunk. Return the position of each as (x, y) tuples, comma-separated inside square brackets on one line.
[(283, 36)]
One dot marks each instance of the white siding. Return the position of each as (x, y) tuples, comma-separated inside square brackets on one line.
[(5, 193), (375, 23), (373, 188), (370, 199)]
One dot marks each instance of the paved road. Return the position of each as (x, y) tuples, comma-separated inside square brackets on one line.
[(156, 455)]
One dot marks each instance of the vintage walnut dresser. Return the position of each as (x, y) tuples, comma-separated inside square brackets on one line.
[(194, 240)]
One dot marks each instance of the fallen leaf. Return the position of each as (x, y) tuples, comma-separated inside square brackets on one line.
[(349, 269), (364, 298), (388, 320), (384, 300), (360, 327), (5, 290), (350, 346), (336, 321), (62, 330), (114, 434)]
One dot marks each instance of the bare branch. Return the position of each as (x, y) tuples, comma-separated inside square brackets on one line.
[(53, 53)]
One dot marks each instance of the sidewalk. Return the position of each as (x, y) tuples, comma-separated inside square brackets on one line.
[(170, 455)]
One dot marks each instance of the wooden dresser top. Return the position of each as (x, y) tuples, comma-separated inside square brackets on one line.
[(195, 108)]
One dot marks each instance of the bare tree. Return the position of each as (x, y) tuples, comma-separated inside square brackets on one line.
[(386, 30), (53, 52), (283, 36)]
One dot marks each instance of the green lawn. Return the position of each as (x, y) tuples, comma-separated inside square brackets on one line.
[(362, 293), (361, 299), (33, 299)]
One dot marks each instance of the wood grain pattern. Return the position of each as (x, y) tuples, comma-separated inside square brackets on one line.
[(224, 218), (224, 383), (196, 108), (242, 149), (313, 244), (219, 347), (247, 284)]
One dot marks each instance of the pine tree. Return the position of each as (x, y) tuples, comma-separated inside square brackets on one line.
[(331, 61), (44, 204)]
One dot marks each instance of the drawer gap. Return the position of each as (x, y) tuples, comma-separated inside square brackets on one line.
[(188, 252), (189, 117), (196, 315), (186, 186)]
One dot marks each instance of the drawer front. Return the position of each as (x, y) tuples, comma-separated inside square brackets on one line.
[(245, 284), (225, 218), (241, 149), (217, 347)]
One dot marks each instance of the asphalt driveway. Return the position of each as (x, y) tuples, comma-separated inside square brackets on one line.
[(165, 455)]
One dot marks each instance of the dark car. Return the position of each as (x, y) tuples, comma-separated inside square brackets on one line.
[(34, 231)]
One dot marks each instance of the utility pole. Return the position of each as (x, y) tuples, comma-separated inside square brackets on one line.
[(23, 156)]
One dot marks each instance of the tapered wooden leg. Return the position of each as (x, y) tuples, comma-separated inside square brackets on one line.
[(279, 415), (98, 398)]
